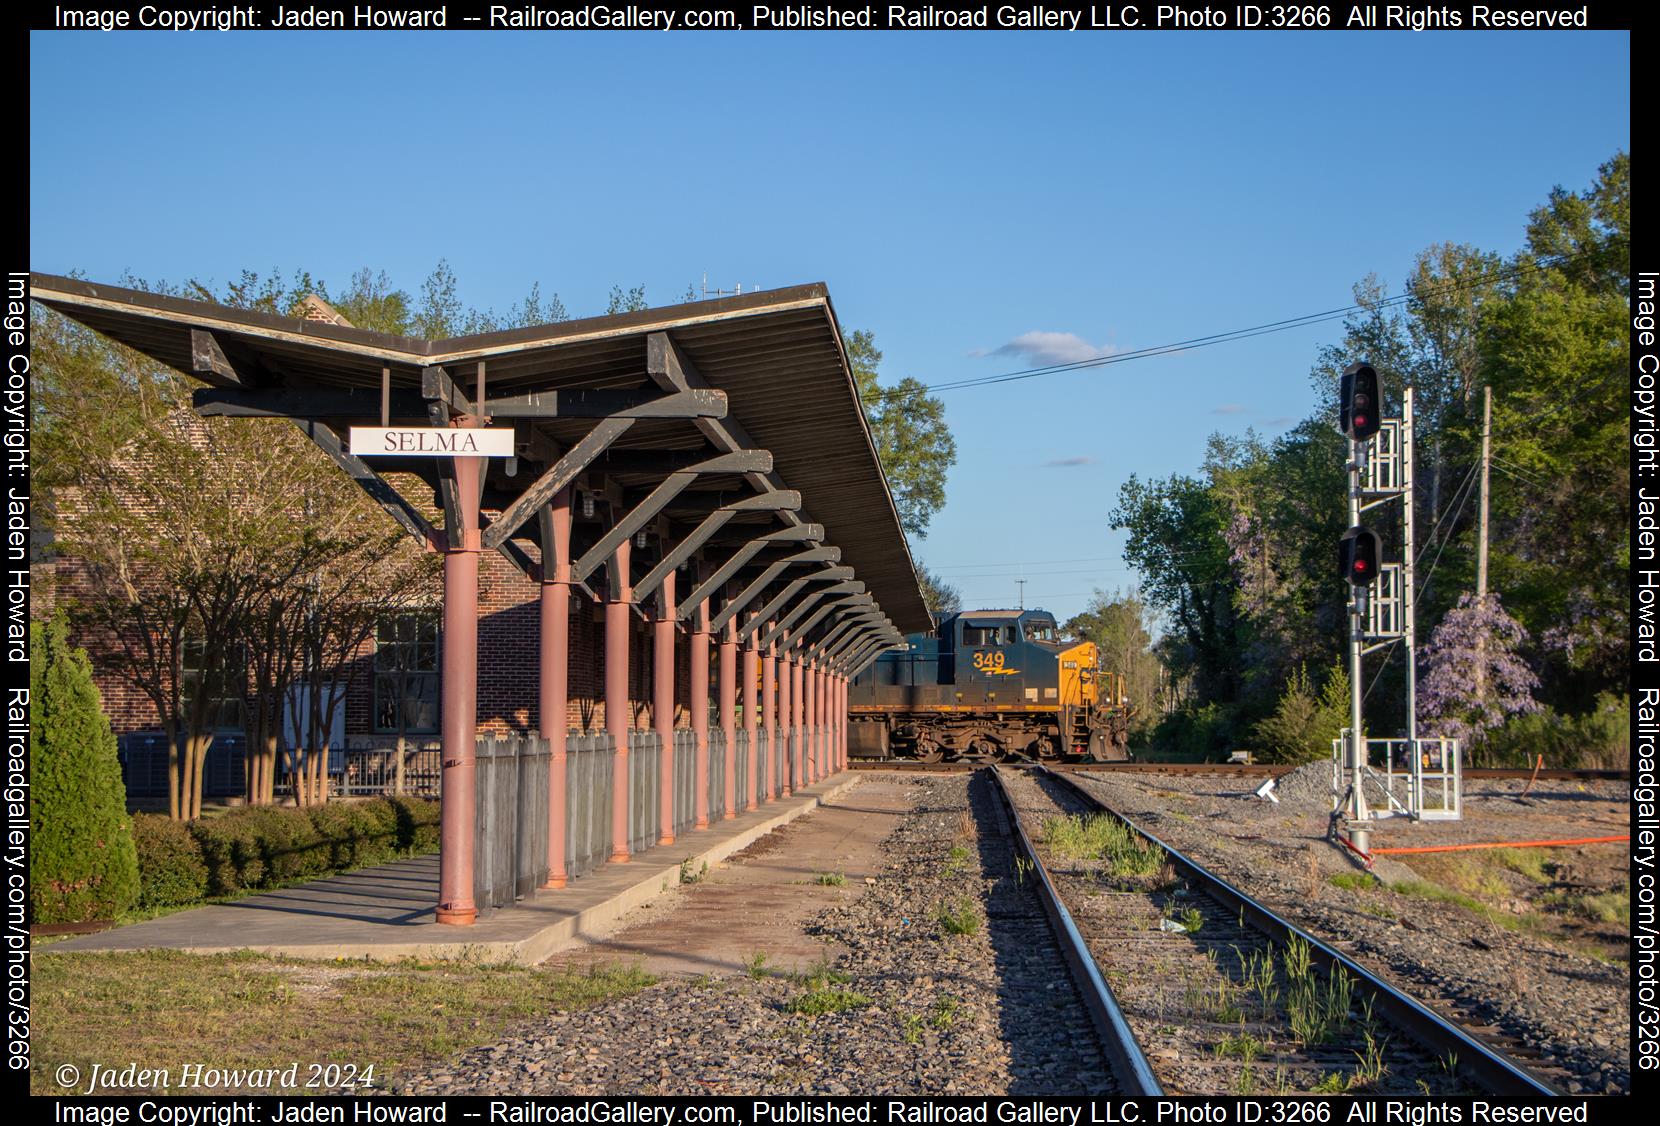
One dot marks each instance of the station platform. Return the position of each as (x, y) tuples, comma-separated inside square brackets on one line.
[(386, 913)]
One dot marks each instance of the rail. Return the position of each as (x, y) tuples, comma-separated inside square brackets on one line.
[(1124, 1054), (1501, 1075)]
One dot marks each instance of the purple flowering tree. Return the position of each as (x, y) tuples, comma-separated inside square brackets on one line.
[(1472, 678)]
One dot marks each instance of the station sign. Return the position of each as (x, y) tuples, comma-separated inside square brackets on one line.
[(424, 441)]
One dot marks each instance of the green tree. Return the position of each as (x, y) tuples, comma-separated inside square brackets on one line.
[(913, 440), (940, 596), (1121, 626), (1305, 721), (82, 863)]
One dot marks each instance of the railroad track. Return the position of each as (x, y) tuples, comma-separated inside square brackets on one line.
[(1196, 988), (1248, 770)]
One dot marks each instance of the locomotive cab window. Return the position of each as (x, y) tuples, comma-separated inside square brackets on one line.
[(981, 633), (1040, 631)]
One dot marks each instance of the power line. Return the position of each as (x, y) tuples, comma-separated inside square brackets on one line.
[(1506, 274)]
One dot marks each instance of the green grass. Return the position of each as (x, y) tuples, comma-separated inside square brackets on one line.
[(164, 1009), (756, 966), (830, 879), (1101, 837), (1352, 881), (958, 916), (823, 991), (945, 1012)]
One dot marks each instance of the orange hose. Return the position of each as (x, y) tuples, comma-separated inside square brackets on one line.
[(1502, 844)]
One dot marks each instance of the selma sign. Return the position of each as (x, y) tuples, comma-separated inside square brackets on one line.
[(457, 441)]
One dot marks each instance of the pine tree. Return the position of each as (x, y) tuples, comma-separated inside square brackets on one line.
[(82, 865)]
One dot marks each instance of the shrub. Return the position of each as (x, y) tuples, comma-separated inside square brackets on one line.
[(289, 845), (1600, 739), (357, 833), (231, 851), (1305, 722), (170, 868), (417, 821), (83, 866)]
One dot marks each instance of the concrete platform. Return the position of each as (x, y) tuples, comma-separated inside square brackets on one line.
[(386, 913)]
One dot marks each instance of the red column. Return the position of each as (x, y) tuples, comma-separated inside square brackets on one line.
[(769, 717), (809, 674), (553, 682), (699, 705), (798, 718), (844, 719), (617, 599), (786, 726), (752, 673), (728, 694), (662, 706), (458, 816)]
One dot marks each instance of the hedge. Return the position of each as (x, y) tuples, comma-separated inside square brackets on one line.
[(170, 868), (266, 846)]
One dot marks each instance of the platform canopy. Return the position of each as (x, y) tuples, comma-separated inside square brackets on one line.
[(726, 435)]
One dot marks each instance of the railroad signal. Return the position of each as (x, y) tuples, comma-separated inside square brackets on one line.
[(1358, 556), (1360, 402)]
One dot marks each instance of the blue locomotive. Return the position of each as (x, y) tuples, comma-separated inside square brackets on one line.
[(989, 685)]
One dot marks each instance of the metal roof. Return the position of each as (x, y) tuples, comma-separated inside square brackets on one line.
[(777, 354)]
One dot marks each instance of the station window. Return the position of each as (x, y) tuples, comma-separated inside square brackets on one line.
[(406, 674), (224, 684)]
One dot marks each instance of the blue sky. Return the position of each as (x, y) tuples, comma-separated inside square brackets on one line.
[(980, 201)]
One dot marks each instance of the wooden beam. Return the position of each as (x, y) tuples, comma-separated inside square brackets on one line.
[(711, 524), (441, 392), (638, 517), (700, 403), (827, 574), (209, 361), (800, 608), (818, 616), (372, 483), (562, 473), (658, 462), (303, 402)]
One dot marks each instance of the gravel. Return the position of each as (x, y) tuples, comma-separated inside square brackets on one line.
[(987, 1012)]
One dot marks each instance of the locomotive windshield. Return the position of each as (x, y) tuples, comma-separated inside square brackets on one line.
[(1040, 631)]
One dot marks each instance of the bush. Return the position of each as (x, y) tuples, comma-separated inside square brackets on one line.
[(83, 866), (1598, 740), (170, 868), (357, 833), (417, 821), (1304, 722), (231, 850), (1203, 734), (289, 845)]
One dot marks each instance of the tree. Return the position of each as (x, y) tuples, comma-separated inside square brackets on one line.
[(913, 441), (1305, 722), (1121, 626), (940, 596), (82, 863), (1473, 678)]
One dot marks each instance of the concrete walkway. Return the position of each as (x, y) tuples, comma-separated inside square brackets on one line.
[(387, 912)]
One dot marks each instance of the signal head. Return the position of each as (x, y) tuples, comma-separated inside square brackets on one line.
[(1359, 402)]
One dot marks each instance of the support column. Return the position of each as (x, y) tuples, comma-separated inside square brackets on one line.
[(798, 718), (553, 684), (815, 718), (662, 706), (618, 595), (699, 705), (458, 815), (752, 673), (769, 718), (846, 717), (728, 693), (786, 722)]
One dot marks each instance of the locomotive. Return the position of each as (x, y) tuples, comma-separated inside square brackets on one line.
[(989, 685)]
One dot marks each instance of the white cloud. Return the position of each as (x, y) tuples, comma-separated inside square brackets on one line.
[(1049, 348), (1228, 408), (1068, 462)]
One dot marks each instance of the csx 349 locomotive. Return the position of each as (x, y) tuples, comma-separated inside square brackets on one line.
[(989, 685)]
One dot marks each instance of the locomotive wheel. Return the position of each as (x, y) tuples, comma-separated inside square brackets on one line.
[(929, 752)]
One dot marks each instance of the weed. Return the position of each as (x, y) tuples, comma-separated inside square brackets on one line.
[(1191, 920), (956, 862), (1245, 1083), (1022, 868), (823, 992), (1241, 1045), (1332, 1083), (958, 916), (910, 1028), (1371, 1068), (945, 1012), (688, 876), (1256, 970), (830, 879), (1101, 837), (1351, 881), (756, 966)]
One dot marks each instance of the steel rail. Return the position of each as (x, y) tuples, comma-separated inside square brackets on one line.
[(1129, 1064), (1500, 1074), (1254, 770)]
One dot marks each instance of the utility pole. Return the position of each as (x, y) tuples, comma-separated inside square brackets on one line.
[(1486, 469), (1022, 584)]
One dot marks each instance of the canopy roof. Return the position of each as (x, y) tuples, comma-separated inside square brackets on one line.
[(777, 356)]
